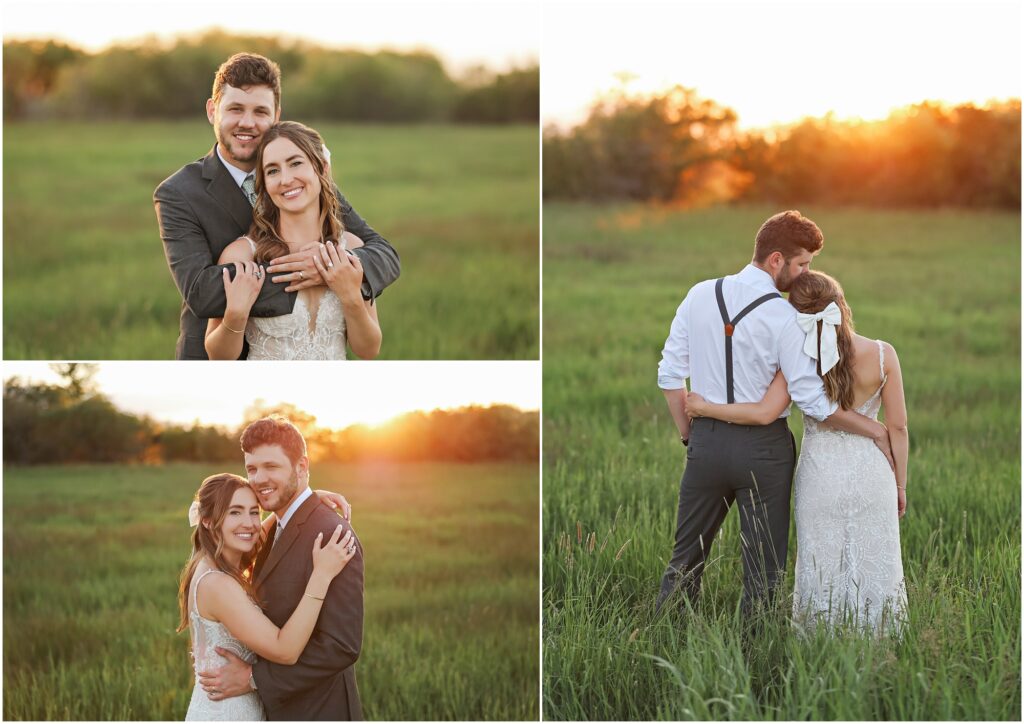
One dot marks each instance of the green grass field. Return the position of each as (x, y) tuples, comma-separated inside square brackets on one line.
[(944, 288), (92, 556), (84, 269)]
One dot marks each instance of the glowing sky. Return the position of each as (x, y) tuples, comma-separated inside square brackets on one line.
[(494, 33), (338, 394), (778, 62)]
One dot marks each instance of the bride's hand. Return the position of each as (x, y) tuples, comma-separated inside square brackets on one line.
[(330, 559), (695, 405), (336, 501), (342, 271), (241, 292), (901, 501)]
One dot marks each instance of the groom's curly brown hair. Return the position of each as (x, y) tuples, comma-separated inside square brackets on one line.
[(789, 232), (274, 430), (243, 70)]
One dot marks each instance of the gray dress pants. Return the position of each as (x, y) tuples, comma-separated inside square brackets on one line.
[(752, 465)]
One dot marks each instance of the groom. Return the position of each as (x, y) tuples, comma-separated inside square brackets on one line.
[(730, 336), (321, 685), (208, 204)]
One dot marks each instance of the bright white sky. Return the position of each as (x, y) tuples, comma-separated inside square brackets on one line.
[(777, 62), (498, 34), (339, 394)]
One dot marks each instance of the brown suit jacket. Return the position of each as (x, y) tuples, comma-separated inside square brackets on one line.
[(321, 685)]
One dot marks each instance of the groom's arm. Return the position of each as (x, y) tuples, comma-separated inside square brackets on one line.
[(808, 392), (190, 259), (381, 265), (334, 646)]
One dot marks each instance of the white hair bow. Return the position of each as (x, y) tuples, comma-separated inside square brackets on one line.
[(830, 317), (193, 514)]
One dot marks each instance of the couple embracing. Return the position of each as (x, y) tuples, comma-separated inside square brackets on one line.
[(263, 203), (274, 608), (748, 353)]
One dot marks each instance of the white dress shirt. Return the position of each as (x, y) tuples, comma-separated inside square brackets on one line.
[(283, 520), (765, 340), (236, 173)]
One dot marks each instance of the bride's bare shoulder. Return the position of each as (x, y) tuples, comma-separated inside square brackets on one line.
[(238, 250)]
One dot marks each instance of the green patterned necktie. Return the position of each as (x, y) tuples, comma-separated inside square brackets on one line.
[(249, 187)]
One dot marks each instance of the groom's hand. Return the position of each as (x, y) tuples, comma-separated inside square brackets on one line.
[(229, 680), (881, 440), (298, 269)]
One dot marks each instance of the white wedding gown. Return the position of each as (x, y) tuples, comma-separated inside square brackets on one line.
[(848, 565), (206, 635), (308, 333)]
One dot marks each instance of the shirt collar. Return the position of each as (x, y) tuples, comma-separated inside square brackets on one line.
[(757, 278), (236, 173), (283, 520)]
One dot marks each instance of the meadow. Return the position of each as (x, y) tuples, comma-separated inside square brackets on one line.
[(92, 555), (85, 275), (944, 288)]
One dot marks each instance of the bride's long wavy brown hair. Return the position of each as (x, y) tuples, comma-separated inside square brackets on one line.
[(266, 217), (214, 498), (810, 293)]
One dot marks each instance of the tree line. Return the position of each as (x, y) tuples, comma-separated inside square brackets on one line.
[(50, 79), (678, 147), (73, 422)]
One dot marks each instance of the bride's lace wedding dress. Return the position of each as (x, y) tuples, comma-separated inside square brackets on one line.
[(206, 635), (848, 566), (315, 330)]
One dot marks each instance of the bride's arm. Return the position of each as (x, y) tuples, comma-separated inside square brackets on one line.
[(224, 337), (227, 602), (775, 401), (895, 406), (344, 275)]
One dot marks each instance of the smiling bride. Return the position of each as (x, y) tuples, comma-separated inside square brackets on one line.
[(296, 207), (220, 610)]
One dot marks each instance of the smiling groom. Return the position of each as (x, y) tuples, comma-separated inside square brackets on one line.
[(207, 204), (321, 685)]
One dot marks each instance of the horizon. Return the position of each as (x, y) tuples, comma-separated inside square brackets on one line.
[(787, 61), (381, 28), (372, 395)]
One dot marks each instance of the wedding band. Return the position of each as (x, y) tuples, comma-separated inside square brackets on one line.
[(302, 274)]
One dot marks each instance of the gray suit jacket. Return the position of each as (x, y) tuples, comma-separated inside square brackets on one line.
[(321, 685), (201, 210)]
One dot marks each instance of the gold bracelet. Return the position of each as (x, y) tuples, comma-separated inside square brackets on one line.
[(313, 597), (236, 331), (901, 487)]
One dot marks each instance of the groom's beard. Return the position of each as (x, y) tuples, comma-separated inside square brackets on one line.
[(232, 146), (281, 496), (785, 280)]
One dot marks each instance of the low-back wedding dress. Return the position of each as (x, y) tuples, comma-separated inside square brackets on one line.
[(310, 332), (848, 565), (206, 635)]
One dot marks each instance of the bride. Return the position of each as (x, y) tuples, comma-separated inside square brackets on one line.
[(220, 609), (296, 207), (848, 501)]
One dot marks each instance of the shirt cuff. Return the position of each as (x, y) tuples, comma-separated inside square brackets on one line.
[(829, 409), (669, 382)]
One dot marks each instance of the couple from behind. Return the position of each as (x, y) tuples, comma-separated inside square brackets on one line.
[(263, 203), (748, 353), (274, 608)]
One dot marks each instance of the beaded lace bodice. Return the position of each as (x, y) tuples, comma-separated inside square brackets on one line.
[(315, 330)]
